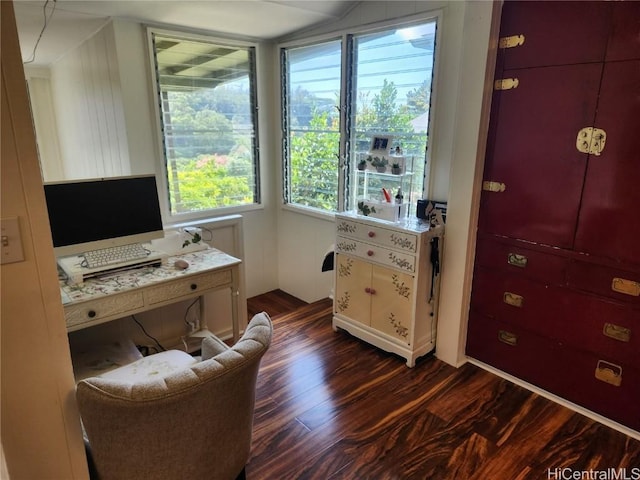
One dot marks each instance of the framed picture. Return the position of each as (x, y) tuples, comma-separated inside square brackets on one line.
[(380, 145)]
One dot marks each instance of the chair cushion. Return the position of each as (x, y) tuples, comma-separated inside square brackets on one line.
[(156, 366)]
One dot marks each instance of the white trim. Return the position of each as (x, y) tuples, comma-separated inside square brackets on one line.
[(562, 401)]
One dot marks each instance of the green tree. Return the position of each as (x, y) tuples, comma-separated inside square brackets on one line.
[(383, 113), (314, 172), (418, 99)]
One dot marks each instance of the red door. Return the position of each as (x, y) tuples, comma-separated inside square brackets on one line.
[(609, 222), (533, 153)]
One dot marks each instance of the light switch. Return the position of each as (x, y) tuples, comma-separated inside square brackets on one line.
[(10, 241)]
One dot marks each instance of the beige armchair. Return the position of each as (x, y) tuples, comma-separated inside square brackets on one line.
[(193, 424)]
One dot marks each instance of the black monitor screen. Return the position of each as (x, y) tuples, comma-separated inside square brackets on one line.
[(110, 211)]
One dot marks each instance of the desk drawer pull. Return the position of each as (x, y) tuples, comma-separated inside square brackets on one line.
[(616, 332), (609, 373), (91, 313), (508, 337), (194, 286)]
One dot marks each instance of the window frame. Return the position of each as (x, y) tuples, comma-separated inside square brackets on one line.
[(347, 73), (161, 162)]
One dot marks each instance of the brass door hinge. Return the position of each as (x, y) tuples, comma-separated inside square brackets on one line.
[(510, 42), (591, 140), (506, 84), (493, 186)]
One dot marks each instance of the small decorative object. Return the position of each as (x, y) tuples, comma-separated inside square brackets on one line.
[(395, 169), (362, 164), (365, 209), (195, 238), (398, 150), (380, 145), (380, 164)]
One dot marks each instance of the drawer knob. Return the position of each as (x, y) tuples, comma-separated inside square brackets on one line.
[(370, 291), (91, 313), (371, 234), (370, 253), (194, 286)]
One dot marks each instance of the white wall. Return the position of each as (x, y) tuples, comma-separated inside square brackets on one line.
[(88, 103), (456, 116)]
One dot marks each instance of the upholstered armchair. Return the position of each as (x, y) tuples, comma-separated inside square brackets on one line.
[(194, 423)]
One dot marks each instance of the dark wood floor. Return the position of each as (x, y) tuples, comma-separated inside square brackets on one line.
[(329, 406)]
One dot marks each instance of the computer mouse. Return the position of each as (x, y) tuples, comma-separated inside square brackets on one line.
[(181, 264)]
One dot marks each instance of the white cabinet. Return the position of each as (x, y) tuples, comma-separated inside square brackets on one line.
[(386, 287)]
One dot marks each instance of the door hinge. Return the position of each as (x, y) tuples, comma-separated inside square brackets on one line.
[(591, 140), (493, 186), (511, 41), (506, 84)]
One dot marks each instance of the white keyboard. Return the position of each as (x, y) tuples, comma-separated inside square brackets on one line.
[(114, 255)]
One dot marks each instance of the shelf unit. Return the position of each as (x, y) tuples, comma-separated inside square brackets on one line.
[(367, 193)]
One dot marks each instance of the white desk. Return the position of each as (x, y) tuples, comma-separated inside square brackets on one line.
[(128, 292)]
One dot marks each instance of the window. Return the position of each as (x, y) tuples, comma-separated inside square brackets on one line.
[(207, 106), (386, 92), (311, 96)]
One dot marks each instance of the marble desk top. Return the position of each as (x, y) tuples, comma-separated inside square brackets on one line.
[(124, 280)]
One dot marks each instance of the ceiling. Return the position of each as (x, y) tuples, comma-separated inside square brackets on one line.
[(70, 22)]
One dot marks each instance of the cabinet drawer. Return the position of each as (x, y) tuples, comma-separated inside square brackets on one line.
[(595, 382), (188, 286), (547, 268), (373, 234), (102, 308), (621, 285), (377, 254)]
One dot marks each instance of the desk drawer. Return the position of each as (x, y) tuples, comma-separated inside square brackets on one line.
[(102, 308), (395, 239), (374, 253), (188, 286)]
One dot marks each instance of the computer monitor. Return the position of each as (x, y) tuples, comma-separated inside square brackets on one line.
[(104, 212)]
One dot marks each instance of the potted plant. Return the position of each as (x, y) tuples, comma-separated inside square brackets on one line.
[(380, 164), (395, 169), (362, 164)]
